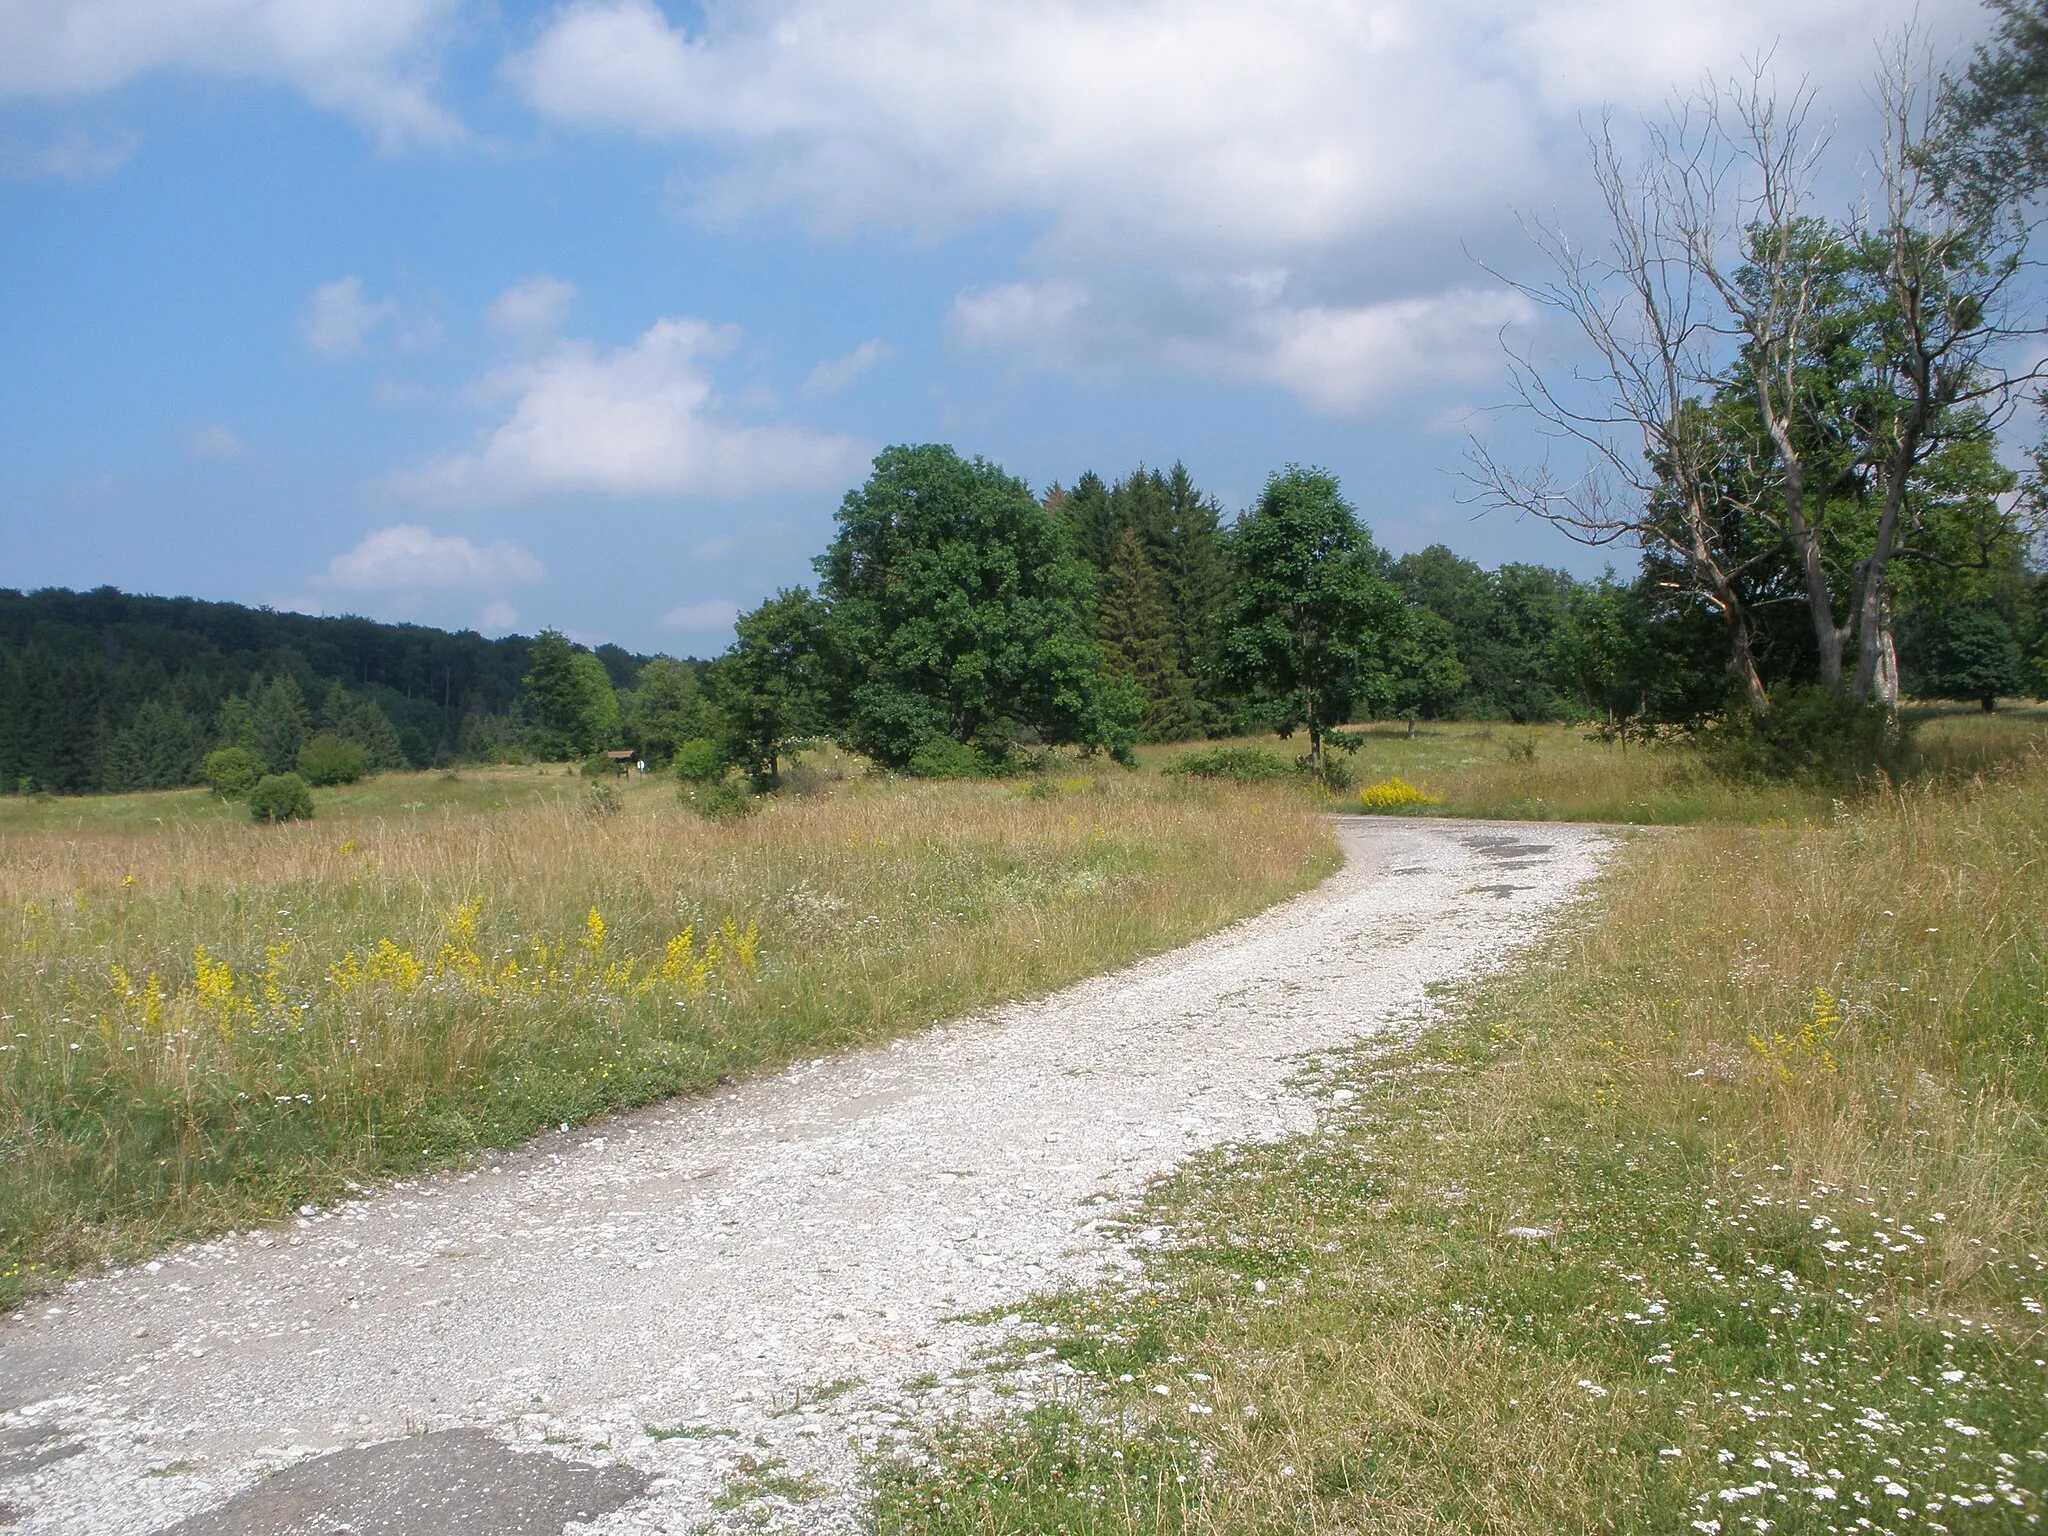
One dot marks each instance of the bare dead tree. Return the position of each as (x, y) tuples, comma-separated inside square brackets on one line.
[(1664, 307), (1947, 273)]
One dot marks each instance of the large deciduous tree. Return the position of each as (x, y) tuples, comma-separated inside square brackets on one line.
[(960, 609), (775, 685), (1313, 629)]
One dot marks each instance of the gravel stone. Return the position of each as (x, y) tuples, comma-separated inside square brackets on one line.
[(780, 1271)]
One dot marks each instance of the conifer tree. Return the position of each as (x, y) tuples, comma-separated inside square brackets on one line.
[(1136, 636), (1091, 521)]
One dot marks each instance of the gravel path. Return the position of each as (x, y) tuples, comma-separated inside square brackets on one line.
[(776, 1270)]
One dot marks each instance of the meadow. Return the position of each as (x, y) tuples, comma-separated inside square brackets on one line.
[(1727, 1211), (204, 1023)]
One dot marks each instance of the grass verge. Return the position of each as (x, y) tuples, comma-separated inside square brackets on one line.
[(204, 1023), (1729, 1212)]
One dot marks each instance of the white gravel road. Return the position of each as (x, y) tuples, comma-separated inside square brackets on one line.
[(708, 1263)]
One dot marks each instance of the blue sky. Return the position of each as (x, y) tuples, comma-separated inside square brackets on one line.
[(587, 315)]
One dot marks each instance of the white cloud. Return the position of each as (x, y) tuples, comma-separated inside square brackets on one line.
[(714, 614), (835, 373), (1338, 360), (76, 156), (534, 307), (368, 58), (215, 442), (500, 617), (1143, 127), (338, 319), (1269, 191), (642, 420), (410, 558), (717, 547)]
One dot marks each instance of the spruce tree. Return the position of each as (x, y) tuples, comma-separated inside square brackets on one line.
[(1090, 520), (1136, 635), (280, 724)]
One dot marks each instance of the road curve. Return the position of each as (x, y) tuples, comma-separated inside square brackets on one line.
[(591, 1332)]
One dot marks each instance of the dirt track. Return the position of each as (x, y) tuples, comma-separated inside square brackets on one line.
[(768, 1270)]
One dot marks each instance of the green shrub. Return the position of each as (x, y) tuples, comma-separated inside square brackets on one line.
[(1812, 736), (1337, 773), (232, 771), (715, 802), (697, 761), (1240, 765), (327, 759), (941, 757), (280, 797), (601, 800), (601, 767)]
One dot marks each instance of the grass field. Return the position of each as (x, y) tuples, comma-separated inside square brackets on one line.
[(1728, 1212), (205, 1022), (1560, 773)]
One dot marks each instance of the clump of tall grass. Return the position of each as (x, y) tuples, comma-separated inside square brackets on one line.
[(205, 1023), (1727, 1213)]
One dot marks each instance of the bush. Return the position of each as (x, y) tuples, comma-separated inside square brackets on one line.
[(1811, 736), (602, 766), (232, 771), (1394, 795), (698, 762), (327, 759), (941, 757), (717, 802), (1337, 773), (601, 800), (280, 797), (1240, 765)]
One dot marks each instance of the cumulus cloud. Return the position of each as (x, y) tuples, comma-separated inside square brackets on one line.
[(215, 442), (338, 319), (408, 557), (1338, 360), (1141, 127), (713, 614), (369, 58), (642, 420), (534, 307), (499, 617), (1268, 191), (835, 373)]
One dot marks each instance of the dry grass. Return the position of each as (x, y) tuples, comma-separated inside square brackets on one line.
[(1780, 1102), (207, 1022)]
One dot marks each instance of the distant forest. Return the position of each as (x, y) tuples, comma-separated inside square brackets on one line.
[(103, 691)]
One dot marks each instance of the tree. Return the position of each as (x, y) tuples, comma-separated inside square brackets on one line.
[(280, 797), (1313, 630), (326, 760), (1136, 636), (279, 724), (958, 608), (666, 708), (159, 749), (360, 721), (570, 698), (773, 686), (1973, 656)]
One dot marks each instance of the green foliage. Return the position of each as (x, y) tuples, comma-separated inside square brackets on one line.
[(1972, 655), (327, 760), (720, 799), (279, 724), (958, 609), (1136, 635), (1240, 765), (697, 761), (280, 797), (364, 723), (1312, 624), (1814, 736), (231, 771), (666, 708), (944, 758), (773, 686), (569, 698), (158, 749)]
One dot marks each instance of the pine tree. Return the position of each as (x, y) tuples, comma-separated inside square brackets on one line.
[(1090, 520), (281, 723), (1136, 636)]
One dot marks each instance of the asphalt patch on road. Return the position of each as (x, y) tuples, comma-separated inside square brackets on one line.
[(458, 1482)]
